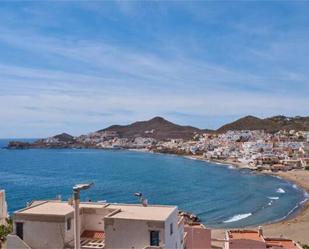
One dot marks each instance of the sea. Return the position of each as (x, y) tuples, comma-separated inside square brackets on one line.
[(220, 195)]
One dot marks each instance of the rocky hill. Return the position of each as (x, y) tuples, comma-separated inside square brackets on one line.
[(271, 124), (157, 128)]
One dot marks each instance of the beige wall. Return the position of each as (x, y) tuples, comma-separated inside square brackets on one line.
[(94, 219), (173, 240), (49, 235), (69, 234), (14, 242), (133, 234)]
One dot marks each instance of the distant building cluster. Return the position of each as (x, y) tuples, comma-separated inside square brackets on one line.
[(255, 149)]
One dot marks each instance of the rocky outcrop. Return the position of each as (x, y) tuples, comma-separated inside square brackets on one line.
[(18, 145)]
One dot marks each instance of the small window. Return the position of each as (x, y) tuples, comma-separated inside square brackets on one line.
[(154, 238), (171, 228), (69, 221)]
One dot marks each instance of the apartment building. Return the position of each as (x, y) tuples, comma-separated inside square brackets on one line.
[(49, 224)]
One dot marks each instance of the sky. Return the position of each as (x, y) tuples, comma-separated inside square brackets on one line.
[(80, 66)]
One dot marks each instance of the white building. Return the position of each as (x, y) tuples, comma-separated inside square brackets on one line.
[(49, 224)]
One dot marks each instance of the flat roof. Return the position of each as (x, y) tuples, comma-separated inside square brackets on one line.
[(139, 212), (47, 208), (54, 207), (281, 243), (126, 211), (245, 234)]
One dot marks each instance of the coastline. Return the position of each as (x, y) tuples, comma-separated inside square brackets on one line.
[(296, 225)]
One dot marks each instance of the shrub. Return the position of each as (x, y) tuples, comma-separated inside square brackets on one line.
[(5, 230)]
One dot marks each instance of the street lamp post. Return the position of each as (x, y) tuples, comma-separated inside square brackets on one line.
[(76, 197)]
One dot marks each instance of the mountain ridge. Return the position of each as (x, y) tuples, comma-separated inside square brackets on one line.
[(270, 124), (157, 127)]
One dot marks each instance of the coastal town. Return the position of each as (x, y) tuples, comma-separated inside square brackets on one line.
[(284, 153), (256, 150)]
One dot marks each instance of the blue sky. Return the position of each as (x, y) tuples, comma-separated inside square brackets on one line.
[(81, 66)]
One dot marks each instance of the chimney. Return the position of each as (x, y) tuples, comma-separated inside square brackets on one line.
[(260, 231)]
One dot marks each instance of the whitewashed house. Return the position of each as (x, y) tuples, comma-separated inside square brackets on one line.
[(49, 224)]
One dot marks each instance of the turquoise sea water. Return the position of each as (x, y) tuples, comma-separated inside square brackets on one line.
[(221, 196)]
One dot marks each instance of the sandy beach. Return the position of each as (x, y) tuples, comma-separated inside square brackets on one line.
[(295, 227)]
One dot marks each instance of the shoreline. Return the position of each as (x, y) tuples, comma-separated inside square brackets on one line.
[(296, 225)]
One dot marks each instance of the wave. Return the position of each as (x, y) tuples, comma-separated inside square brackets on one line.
[(280, 190), (219, 163), (273, 197), (237, 217)]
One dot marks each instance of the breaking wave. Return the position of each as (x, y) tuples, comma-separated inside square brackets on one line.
[(237, 217), (280, 190), (273, 197)]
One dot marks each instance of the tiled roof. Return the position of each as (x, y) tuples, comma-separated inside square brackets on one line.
[(93, 234)]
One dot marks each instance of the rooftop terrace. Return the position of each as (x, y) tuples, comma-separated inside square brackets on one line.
[(125, 211), (245, 234)]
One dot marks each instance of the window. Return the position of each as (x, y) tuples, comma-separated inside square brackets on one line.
[(20, 229), (171, 228), (69, 224), (154, 238)]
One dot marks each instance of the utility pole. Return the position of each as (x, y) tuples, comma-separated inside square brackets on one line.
[(76, 198)]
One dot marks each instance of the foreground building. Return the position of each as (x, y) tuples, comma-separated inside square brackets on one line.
[(49, 224), (251, 239)]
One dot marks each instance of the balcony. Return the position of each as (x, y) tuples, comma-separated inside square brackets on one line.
[(92, 239)]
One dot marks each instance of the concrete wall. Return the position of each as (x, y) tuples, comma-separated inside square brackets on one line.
[(49, 235), (93, 219), (14, 242), (173, 240), (69, 234), (132, 234)]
